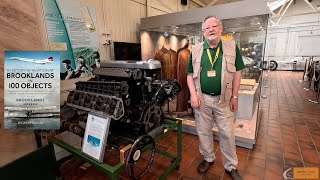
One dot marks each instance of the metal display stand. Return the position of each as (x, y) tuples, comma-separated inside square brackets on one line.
[(317, 101), (304, 76), (113, 171), (317, 98)]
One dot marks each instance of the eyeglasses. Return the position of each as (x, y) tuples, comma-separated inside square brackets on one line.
[(210, 27)]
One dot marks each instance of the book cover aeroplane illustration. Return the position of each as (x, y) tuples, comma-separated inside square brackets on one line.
[(31, 90)]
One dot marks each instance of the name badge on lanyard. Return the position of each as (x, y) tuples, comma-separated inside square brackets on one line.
[(211, 73)]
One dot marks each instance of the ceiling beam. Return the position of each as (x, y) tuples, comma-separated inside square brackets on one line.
[(316, 10), (212, 2), (285, 10), (198, 2)]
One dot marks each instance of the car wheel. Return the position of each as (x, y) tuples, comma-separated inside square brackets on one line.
[(273, 65)]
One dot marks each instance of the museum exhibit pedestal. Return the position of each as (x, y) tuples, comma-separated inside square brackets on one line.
[(245, 130), (246, 124), (248, 100)]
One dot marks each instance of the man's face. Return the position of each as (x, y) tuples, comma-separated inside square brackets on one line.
[(80, 61), (66, 65), (212, 29)]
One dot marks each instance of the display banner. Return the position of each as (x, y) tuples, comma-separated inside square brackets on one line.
[(31, 90), (71, 29)]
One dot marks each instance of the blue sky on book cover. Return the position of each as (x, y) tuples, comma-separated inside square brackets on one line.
[(32, 89)]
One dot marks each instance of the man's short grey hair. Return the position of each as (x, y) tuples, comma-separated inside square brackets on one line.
[(208, 17)]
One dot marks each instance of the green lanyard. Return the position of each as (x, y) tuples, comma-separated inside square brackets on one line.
[(215, 57)]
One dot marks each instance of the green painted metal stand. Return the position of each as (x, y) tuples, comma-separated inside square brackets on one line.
[(113, 171)]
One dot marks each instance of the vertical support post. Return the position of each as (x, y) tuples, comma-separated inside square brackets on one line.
[(37, 137), (179, 139)]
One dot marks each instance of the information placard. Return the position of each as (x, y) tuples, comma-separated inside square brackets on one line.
[(95, 136)]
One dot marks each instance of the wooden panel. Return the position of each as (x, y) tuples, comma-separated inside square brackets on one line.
[(167, 6), (19, 31), (124, 26)]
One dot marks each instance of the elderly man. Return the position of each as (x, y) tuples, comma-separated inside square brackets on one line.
[(213, 77)]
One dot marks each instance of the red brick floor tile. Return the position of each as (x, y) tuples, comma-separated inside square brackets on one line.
[(315, 132), (274, 163), (191, 136), (252, 177), (242, 162), (175, 175), (194, 143), (168, 143), (293, 148), (260, 147), (217, 168), (256, 162), (188, 155), (258, 154), (289, 139), (274, 129), (173, 137), (270, 175), (275, 150), (310, 156), (210, 176), (158, 168), (304, 145), (193, 149), (149, 176), (273, 124), (186, 140), (254, 170), (242, 150), (292, 163), (162, 148), (192, 171), (311, 165), (184, 165), (304, 138), (227, 176), (292, 156)]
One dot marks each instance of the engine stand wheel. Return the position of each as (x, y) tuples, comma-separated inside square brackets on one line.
[(135, 157)]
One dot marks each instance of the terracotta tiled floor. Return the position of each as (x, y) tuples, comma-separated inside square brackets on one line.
[(289, 136)]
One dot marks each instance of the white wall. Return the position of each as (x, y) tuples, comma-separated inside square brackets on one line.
[(296, 33)]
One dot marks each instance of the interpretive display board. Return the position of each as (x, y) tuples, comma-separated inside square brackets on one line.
[(71, 29), (95, 137)]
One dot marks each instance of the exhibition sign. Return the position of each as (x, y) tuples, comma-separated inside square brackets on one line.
[(71, 29), (95, 137)]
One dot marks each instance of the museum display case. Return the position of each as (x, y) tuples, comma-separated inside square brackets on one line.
[(249, 32)]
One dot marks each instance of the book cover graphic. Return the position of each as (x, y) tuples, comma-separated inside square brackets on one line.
[(31, 90)]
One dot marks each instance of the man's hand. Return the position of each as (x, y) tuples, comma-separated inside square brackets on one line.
[(195, 102), (233, 104)]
